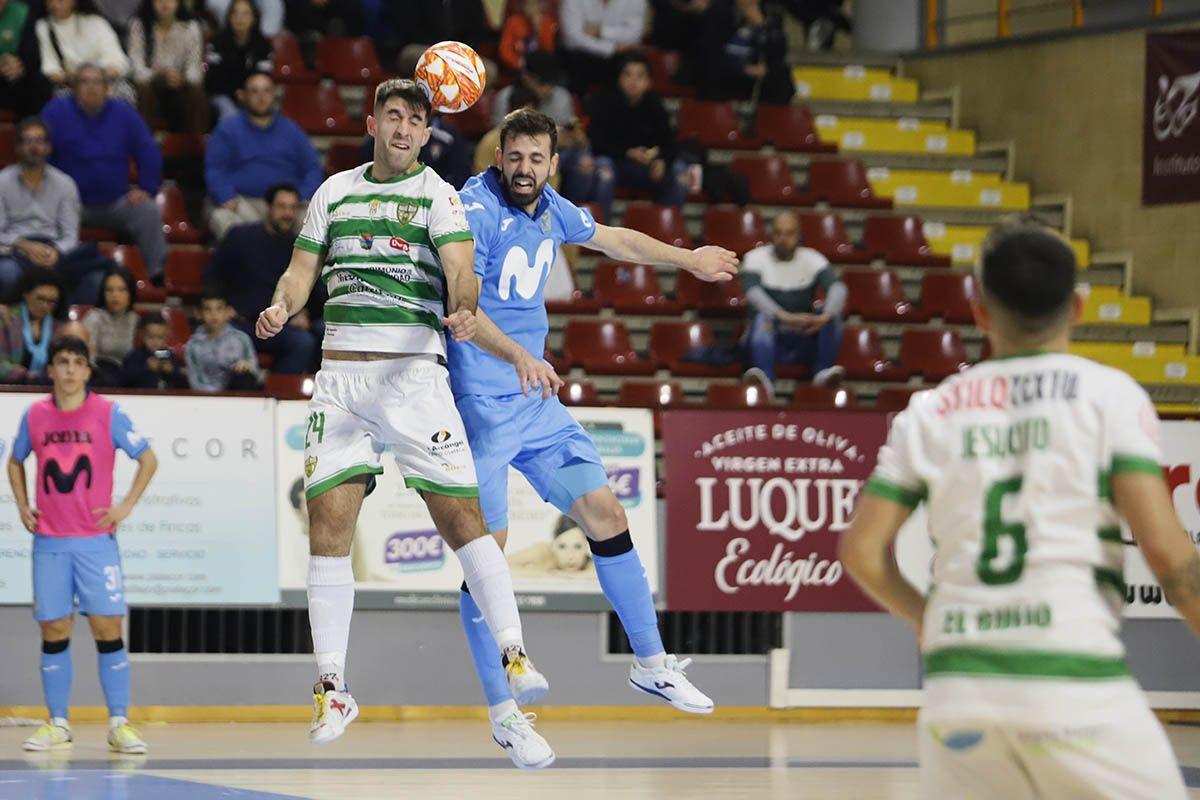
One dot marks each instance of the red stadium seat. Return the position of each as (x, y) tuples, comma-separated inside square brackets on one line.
[(664, 223), (288, 63), (179, 328), (319, 110), (579, 393), (129, 258), (895, 398), (790, 127), (770, 180), (349, 60), (827, 233), (343, 156), (597, 212), (185, 272), (948, 295), (89, 234), (630, 289), (290, 387), (177, 226), (559, 363), (713, 124), (862, 356), (183, 145), (8, 145), (671, 341), (739, 229), (843, 182), (900, 240), (878, 295), (579, 303), (809, 397), (932, 353), (736, 395), (602, 346), (711, 299), (664, 65), (77, 312), (652, 394)]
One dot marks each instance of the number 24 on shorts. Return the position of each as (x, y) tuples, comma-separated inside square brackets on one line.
[(316, 424)]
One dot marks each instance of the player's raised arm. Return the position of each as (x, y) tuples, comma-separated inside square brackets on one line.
[(462, 288), (708, 263), (291, 293)]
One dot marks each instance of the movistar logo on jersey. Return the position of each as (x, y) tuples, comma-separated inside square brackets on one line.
[(526, 277), (64, 482)]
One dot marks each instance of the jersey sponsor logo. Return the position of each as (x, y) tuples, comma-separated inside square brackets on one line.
[(397, 243), (504, 223), (441, 436), (474, 207), (583, 217), (1176, 106), (527, 277), (373, 208), (545, 221), (64, 482), (366, 240), (405, 212), (66, 437)]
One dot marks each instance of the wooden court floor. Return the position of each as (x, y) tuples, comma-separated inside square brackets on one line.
[(457, 759)]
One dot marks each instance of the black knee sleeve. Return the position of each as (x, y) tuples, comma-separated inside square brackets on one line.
[(618, 545), (50, 648), (110, 646)]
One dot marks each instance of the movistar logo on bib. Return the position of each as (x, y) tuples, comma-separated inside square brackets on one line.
[(526, 277)]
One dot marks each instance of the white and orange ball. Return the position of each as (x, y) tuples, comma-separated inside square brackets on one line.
[(452, 75)]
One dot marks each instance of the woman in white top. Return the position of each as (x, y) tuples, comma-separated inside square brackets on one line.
[(166, 47), (67, 39)]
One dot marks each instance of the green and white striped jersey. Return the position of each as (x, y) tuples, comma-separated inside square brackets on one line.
[(1014, 459), (379, 241)]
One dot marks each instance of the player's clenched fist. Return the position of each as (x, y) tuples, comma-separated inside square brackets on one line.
[(712, 263), (461, 324), (271, 321)]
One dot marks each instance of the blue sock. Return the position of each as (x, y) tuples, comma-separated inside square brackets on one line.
[(57, 674), (484, 652), (623, 579), (114, 676)]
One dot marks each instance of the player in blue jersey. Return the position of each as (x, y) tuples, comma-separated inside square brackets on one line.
[(506, 395)]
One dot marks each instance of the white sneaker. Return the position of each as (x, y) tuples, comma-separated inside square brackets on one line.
[(49, 737), (333, 710), (125, 739), (525, 746), (527, 684), (669, 683)]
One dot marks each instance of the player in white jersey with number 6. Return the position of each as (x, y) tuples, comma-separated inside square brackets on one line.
[(392, 244), (1028, 462)]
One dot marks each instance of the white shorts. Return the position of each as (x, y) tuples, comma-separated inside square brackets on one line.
[(361, 408), (1127, 757)]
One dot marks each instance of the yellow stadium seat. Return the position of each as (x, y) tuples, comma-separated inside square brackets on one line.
[(904, 135), (953, 189), (1177, 408), (853, 83), (1106, 304), (961, 243)]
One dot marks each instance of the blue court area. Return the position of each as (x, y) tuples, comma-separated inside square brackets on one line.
[(89, 784)]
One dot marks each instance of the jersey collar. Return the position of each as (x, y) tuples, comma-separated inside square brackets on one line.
[(398, 179)]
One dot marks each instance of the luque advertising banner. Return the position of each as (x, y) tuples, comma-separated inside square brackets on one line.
[(204, 531), (1171, 130), (755, 504), (400, 561)]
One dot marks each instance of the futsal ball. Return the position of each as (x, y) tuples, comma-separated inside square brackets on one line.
[(452, 76)]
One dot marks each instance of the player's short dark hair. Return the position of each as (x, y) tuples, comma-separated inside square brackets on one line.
[(528, 122), (69, 344), (543, 66), (150, 319), (31, 122), (1029, 272), (130, 286), (212, 293), (408, 91), (280, 187)]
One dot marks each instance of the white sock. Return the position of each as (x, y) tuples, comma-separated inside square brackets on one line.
[(503, 711), (113, 722), (60, 722), (652, 662), (486, 572), (330, 606)]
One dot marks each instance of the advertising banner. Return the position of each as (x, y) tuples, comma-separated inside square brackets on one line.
[(400, 561), (204, 531), (755, 503), (1170, 129)]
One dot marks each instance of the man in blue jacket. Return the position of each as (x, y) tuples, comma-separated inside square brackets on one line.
[(93, 137), (253, 151)]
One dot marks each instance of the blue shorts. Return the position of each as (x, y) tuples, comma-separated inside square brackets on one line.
[(538, 437), (86, 569)]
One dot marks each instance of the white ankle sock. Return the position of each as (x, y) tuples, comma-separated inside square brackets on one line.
[(116, 722), (60, 722), (330, 606), (652, 662), (486, 572), (503, 711)]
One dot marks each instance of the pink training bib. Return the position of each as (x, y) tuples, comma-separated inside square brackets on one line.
[(75, 457)]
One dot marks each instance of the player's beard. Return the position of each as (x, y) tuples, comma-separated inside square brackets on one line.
[(525, 198)]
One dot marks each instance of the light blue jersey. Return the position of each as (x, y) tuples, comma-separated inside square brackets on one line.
[(513, 255)]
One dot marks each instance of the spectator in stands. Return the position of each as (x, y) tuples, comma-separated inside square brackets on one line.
[(27, 329), (748, 54), (118, 12), (39, 222), (540, 76), (594, 32), (237, 51), (631, 130), (23, 87), (822, 20), (219, 357), (679, 24), (270, 17), (253, 151), (533, 28), (112, 325), (94, 136), (153, 365), (789, 324), (166, 47), (310, 20), (68, 40), (245, 268)]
